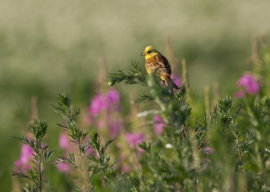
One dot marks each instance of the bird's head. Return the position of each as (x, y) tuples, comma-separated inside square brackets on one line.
[(149, 52)]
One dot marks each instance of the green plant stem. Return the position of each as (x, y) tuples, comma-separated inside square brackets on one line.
[(204, 140), (183, 134), (40, 176), (239, 151)]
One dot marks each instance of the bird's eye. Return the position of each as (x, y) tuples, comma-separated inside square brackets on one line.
[(148, 51)]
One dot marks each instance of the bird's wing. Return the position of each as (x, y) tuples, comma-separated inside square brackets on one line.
[(160, 64)]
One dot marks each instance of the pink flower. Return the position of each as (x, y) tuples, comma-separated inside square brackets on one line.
[(108, 103), (26, 155), (250, 84), (208, 150), (115, 127), (134, 139), (113, 96), (18, 163), (90, 151), (63, 141), (126, 168), (176, 80), (98, 103), (28, 166), (240, 94), (104, 102), (63, 167), (158, 124)]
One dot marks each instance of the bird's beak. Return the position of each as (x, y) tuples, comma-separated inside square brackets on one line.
[(143, 54)]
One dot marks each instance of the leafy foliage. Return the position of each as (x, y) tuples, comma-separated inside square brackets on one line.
[(135, 76), (226, 149), (90, 165), (214, 154), (42, 155)]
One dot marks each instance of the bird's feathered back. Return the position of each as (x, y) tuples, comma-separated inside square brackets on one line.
[(158, 64)]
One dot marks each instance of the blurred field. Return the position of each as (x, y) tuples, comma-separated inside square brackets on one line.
[(48, 47)]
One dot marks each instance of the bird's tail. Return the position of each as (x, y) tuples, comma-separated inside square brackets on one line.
[(168, 81)]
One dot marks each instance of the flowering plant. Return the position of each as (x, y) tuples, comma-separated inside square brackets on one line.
[(225, 148)]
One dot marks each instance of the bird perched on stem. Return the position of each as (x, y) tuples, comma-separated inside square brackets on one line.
[(157, 63)]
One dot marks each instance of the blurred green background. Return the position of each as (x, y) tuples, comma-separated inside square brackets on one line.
[(48, 47)]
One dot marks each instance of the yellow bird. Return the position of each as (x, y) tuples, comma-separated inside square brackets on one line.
[(157, 63)]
